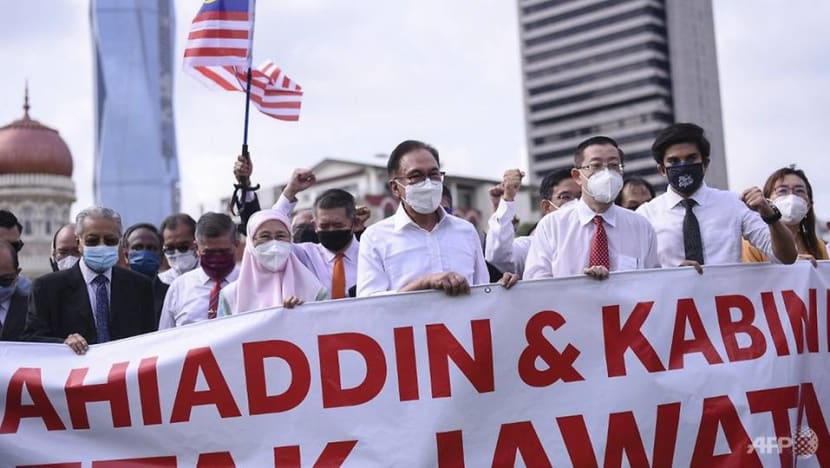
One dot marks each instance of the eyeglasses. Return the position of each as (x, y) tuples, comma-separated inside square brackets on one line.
[(597, 166), (783, 190), (171, 249), (419, 177)]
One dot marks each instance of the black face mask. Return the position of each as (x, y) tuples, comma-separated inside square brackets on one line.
[(685, 178), (335, 240)]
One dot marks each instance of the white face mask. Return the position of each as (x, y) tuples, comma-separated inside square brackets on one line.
[(272, 255), (182, 262), (67, 262), (604, 186), (792, 207), (425, 197)]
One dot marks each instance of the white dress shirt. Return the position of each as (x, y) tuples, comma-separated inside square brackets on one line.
[(4, 311), (561, 244), (396, 251), (502, 248), (723, 220), (319, 259), (188, 298), (89, 276)]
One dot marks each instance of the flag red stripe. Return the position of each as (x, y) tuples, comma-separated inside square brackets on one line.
[(215, 52), (221, 16), (218, 34), (216, 78)]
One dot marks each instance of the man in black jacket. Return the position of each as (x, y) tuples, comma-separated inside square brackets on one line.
[(13, 302), (94, 301)]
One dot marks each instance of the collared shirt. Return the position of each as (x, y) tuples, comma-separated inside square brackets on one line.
[(188, 297), (89, 277), (319, 259), (396, 251), (723, 220), (168, 276), (4, 311), (502, 248), (561, 244)]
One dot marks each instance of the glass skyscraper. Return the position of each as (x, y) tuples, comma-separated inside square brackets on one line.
[(620, 68), (136, 167)]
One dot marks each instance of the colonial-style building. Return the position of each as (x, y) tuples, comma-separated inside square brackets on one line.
[(36, 185)]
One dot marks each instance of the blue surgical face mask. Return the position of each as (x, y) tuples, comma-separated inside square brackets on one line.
[(100, 258), (145, 262)]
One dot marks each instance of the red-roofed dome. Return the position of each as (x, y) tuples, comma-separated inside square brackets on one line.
[(28, 147)]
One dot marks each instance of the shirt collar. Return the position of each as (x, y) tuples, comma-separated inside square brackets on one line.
[(89, 274), (402, 219), (700, 196), (586, 214), (205, 279)]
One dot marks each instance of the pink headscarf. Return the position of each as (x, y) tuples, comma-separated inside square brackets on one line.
[(258, 288)]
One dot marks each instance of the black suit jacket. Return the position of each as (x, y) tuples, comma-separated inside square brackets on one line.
[(15, 318), (159, 292), (59, 306)]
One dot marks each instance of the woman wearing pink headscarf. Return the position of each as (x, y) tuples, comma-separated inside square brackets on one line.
[(271, 275)]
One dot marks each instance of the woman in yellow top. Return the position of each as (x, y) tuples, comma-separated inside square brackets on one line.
[(791, 192)]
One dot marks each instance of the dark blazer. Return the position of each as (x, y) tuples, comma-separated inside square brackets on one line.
[(15, 318), (159, 292), (59, 306)]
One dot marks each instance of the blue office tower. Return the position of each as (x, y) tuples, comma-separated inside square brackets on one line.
[(136, 168)]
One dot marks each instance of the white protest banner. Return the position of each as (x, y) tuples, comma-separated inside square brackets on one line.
[(647, 368)]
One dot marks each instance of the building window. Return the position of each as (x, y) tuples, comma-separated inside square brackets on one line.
[(465, 196)]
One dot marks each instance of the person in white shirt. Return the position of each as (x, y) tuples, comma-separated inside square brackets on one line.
[(334, 259), (420, 247), (697, 224), (634, 193), (178, 233), (194, 296), (502, 248), (593, 236)]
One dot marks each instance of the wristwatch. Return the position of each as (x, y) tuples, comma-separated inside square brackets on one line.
[(776, 215)]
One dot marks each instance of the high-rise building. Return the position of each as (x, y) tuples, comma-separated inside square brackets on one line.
[(621, 68), (136, 168)]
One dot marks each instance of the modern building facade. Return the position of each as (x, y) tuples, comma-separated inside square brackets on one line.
[(136, 166), (621, 68), (36, 185)]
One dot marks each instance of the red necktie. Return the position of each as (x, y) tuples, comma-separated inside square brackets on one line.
[(599, 246), (338, 278), (213, 304)]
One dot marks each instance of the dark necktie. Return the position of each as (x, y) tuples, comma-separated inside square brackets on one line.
[(102, 309), (691, 233), (599, 246)]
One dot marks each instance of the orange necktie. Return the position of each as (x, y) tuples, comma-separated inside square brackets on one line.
[(338, 278)]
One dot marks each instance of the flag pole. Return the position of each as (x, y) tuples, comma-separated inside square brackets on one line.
[(240, 193)]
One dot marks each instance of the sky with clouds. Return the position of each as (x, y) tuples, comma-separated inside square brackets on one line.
[(376, 72)]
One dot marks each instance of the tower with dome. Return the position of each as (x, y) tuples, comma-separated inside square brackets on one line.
[(36, 185)]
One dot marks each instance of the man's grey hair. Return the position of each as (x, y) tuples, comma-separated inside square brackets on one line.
[(96, 212), (213, 225)]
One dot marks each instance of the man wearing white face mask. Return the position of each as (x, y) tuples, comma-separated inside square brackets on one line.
[(178, 233), (65, 251), (594, 236), (420, 246)]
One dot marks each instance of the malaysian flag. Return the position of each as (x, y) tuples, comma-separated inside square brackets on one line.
[(221, 35), (218, 53), (272, 92)]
